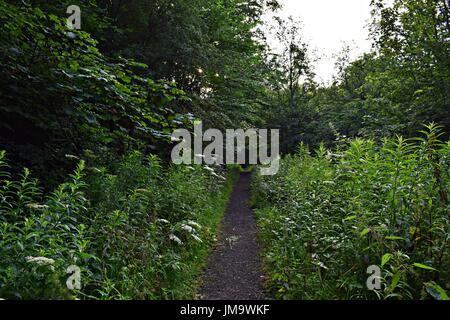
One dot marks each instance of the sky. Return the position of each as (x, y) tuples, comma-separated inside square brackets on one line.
[(327, 26)]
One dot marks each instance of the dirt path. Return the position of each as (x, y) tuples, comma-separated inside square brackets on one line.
[(234, 267)]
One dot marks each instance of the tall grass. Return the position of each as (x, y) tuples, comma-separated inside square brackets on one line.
[(137, 231), (325, 218)]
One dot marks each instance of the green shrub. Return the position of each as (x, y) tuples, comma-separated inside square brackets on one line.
[(139, 232), (59, 94), (326, 218)]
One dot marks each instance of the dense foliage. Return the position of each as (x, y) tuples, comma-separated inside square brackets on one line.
[(60, 94), (137, 227), (140, 231), (366, 196), (402, 83), (108, 96), (327, 217)]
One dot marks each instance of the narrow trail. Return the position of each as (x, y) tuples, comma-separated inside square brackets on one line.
[(234, 267)]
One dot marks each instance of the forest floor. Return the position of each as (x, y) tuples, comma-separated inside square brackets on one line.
[(234, 270)]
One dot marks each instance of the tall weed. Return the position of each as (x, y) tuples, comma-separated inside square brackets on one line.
[(325, 218)]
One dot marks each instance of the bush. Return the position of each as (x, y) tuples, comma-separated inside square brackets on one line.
[(140, 231), (326, 218), (59, 94)]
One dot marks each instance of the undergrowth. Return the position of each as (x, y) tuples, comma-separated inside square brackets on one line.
[(137, 230), (326, 218)]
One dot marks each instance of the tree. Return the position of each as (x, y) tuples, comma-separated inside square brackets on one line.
[(292, 61), (412, 37)]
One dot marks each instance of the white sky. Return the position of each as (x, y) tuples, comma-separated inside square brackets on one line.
[(328, 25)]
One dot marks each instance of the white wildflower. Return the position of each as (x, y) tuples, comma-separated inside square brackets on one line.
[(96, 170), (187, 228), (143, 191), (197, 238), (36, 206), (163, 221), (321, 264), (42, 261), (194, 224), (72, 157), (317, 262), (176, 239)]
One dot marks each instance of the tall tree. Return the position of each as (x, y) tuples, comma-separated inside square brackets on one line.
[(292, 60), (413, 39)]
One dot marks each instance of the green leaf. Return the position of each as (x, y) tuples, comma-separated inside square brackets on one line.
[(422, 266), (385, 259), (394, 238), (436, 291), (364, 232), (126, 79), (395, 281)]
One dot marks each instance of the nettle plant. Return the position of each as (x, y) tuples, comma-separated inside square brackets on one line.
[(137, 231), (32, 232), (327, 218)]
